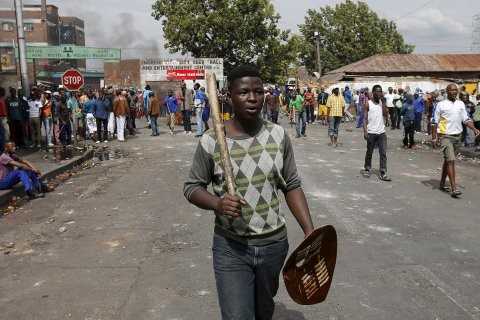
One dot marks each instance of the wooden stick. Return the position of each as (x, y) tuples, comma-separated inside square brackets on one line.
[(220, 132)]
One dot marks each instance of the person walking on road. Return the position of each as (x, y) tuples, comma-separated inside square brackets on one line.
[(309, 102), (250, 242), (348, 98), (419, 105), (187, 111), (154, 113), (200, 102), (120, 109), (100, 111), (374, 132), (449, 116), (335, 105), (390, 99), (408, 114), (297, 105), (171, 104), (322, 106)]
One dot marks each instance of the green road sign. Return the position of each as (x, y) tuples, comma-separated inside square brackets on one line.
[(65, 52)]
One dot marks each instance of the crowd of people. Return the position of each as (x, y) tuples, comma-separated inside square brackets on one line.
[(412, 110), (46, 119)]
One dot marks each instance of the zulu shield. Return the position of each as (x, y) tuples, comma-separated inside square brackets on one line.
[(308, 272)]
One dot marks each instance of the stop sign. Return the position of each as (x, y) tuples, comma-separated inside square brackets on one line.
[(73, 80)]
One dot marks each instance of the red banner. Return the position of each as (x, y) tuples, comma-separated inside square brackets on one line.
[(191, 74)]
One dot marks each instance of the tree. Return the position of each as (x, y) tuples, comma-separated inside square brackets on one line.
[(239, 31), (348, 32)]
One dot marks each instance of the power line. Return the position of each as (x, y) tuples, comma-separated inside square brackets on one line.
[(415, 10), (476, 33)]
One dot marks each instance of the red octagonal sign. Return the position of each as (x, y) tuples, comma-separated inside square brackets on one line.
[(73, 80)]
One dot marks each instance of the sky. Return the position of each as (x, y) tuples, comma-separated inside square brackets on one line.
[(434, 26)]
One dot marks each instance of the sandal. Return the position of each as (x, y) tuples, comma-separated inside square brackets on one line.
[(444, 189), (366, 173), (456, 193), (384, 177)]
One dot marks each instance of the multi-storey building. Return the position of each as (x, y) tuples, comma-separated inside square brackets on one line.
[(43, 26)]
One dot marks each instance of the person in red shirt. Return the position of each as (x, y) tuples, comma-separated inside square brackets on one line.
[(309, 100)]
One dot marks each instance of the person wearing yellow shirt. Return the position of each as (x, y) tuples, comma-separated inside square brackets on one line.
[(335, 106)]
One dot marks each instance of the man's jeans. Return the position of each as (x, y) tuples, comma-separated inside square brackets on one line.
[(409, 133), (247, 277), (360, 113), (379, 140), (187, 126), (198, 116), (418, 121), (154, 125), (310, 113), (301, 122), (273, 116), (28, 178), (47, 126), (333, 125)]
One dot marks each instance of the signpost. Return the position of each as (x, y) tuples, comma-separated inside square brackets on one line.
[(70, 52), (73, 80)]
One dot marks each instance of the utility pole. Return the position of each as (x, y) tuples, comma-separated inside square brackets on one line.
[(319, 61), (22, 48)]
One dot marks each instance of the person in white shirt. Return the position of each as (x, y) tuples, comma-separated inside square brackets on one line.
[(449, 116), (374, 132), (391, 98), (35, 105)]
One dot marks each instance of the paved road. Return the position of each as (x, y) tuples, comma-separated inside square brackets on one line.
[(135, 249)]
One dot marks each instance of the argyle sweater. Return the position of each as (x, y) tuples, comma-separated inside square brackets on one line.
[(262, 165)]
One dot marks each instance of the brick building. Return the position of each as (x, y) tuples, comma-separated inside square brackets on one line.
[(43, 27)]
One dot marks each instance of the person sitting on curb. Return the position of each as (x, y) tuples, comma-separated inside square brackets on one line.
[(14, 169)]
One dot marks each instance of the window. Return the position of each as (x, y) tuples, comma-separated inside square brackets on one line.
[(7, 26), (28, 27)]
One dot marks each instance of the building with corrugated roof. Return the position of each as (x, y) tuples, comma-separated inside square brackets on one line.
[(427, 72)]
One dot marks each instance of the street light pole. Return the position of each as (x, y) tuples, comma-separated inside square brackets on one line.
[(319, 61), (22, 48)]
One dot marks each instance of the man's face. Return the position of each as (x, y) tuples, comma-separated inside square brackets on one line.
[(335, 91), (452, 92), (10, 147), (247, 96), (390, 90), (377, 93)]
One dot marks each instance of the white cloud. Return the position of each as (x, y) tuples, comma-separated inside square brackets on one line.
[(432, 24)]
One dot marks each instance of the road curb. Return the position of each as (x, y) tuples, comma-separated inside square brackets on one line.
[(17, 190)]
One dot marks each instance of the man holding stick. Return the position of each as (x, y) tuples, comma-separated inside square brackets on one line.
[(250, 237)]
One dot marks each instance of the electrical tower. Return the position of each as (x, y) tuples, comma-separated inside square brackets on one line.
[(476, 33)]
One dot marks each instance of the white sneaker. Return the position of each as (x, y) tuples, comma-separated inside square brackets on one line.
[(50, 144), (106, 141), (98, 141)]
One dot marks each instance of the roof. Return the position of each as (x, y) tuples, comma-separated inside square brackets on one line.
[(403, 63)]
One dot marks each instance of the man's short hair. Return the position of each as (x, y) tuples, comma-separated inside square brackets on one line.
[(242, 71)]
